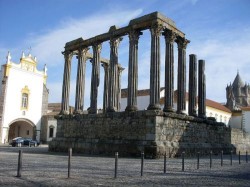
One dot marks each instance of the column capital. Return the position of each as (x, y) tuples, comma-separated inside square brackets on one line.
[(182, 43), (169, 35), (156, 29), (68, 55), (134, 35), (105, 66), (114, 42), (82, 51), (97, 47), (120, 68)]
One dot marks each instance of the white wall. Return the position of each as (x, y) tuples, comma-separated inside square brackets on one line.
[(17, 80)]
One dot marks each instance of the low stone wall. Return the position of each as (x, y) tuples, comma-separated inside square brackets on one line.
[(153, 132)]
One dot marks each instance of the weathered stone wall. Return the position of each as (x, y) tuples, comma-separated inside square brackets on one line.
[(153, 132), (241, 140)]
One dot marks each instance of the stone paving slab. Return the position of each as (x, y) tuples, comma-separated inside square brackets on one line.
[(41, 168)]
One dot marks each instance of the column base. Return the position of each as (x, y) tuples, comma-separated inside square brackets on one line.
[(64, 112), (202, 116), (92, 110), (154, 107), (78, 112), (169, 109), (111, 109), (181, 112), (131, 108)]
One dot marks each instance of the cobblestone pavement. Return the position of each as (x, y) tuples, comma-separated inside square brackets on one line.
[(41, 168)]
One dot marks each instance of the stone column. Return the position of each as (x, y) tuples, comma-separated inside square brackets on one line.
[(66, 83), (192, 85), (170, 37), (133, 71), (181, 84), (113, 73), (154, 103), (80, 82), (95, 78), (105, 89), (202, 90), (118, 104)]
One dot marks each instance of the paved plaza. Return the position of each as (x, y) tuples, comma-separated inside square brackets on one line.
[(41, 168)]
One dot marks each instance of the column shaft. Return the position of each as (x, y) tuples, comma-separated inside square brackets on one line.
[(95, 78), (169, 71), (105, 89), (66, 83), (80, 82), (192, 85), (181, 84), (154, 103), (118, 104), (113, 75), (202, 90), (133, 71)]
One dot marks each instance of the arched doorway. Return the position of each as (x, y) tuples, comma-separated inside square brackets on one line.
[(21, 128)]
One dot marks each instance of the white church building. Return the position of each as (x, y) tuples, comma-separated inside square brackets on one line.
[(23, 98), (213, 109)]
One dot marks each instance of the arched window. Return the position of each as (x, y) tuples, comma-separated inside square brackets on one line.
[(225, 119), (25, 98), (216, 117)]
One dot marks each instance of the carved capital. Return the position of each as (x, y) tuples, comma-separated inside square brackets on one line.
[(182, 43), (169, 35), (97, 47), (82, 52), (156, 30), (114, 42), (68, 55), (134, 36)]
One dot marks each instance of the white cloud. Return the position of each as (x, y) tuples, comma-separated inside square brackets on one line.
[(50, 45), (224, 56)]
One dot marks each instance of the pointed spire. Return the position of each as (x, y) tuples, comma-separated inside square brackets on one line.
[(23, 55), (238, 81), (8, 57), (45, 69)]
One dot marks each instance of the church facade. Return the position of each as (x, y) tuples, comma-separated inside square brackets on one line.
[(23, 98)]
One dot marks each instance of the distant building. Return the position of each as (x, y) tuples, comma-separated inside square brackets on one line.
[(238, 100), (213, 109), (238, 94), (23, 98)]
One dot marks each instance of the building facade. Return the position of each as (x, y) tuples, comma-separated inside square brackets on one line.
[(213, 109), (238, 100), (23, 98)]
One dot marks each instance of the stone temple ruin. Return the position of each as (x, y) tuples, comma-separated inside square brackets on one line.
[(153, 131)]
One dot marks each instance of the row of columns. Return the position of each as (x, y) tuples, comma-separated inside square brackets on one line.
[(112, 87), (193, 87)]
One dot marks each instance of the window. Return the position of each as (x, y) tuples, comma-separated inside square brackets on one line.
[(51, 131), (25, 98), (216, 117)]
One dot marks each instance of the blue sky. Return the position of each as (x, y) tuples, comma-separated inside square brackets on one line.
[(219, 31)]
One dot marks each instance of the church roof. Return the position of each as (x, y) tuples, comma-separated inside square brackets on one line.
[(238, 81)]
